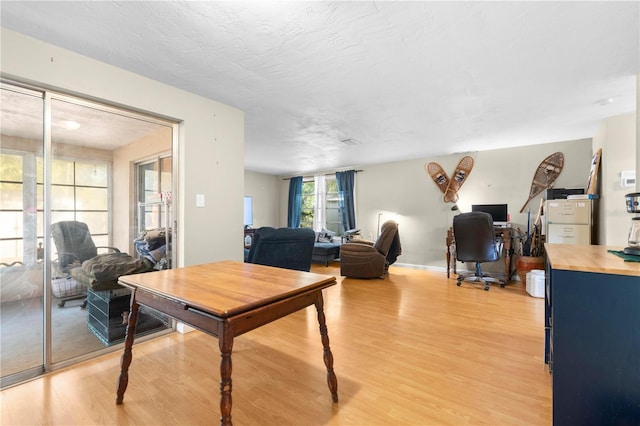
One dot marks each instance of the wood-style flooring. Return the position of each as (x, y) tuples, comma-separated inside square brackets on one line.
[(409, 349)]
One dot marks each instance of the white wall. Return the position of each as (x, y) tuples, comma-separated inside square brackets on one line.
[(211, 141), (403, 191), (266, 202), (617, 138)]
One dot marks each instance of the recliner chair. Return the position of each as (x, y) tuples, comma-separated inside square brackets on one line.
[(289, 248), (476, 241), (74, 245), (364, 259)]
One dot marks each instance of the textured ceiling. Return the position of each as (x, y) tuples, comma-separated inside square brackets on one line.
[(399, 79)]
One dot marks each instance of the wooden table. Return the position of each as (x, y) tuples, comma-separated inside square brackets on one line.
[(505, 233), (225, 300)]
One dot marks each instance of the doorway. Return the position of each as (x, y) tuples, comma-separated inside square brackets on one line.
[(67, 160)]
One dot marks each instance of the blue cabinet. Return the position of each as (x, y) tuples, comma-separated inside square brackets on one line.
[(592, 326)]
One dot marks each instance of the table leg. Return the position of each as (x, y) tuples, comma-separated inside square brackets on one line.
[(125, 360), (225, 342), (449, 244), (507, 256), (448, 260), (332, 381), (507, 267)]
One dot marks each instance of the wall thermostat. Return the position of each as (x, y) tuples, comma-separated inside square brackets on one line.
[(627, 178)]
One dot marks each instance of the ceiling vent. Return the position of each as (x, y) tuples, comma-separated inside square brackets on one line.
[(351, 142)]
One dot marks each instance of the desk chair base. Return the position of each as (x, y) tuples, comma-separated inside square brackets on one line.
[(479, 277)]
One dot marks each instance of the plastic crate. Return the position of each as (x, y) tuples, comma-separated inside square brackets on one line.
[(63, 288)]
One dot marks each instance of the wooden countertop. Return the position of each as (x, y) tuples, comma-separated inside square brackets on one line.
[(227, 288), (589, 258)]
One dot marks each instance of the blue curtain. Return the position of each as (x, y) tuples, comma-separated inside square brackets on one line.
[(346, 181), (295, 202)]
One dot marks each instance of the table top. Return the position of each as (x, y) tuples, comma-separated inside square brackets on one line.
[(227, 288), (589, 258)]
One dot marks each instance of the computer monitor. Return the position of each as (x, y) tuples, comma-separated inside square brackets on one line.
[(497, 211)]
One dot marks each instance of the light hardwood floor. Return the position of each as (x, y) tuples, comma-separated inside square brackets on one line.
[(410, 349)]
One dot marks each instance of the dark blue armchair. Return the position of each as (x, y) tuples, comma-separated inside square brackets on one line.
[(290, 248)]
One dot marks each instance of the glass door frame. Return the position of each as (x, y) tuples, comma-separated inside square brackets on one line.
[(48, 96)]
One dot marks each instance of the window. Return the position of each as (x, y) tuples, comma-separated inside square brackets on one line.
[(80, 191), (332, 213), (308, 204), (154, 178), (320, 204), (12, 227)]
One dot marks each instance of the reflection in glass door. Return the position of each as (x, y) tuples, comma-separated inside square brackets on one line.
[(21, 230), (69, 197)]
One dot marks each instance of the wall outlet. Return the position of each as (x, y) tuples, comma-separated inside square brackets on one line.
[(199, 200)]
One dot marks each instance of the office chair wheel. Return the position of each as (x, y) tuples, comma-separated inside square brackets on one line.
[(502, 285), (486, 287), (458, 283)]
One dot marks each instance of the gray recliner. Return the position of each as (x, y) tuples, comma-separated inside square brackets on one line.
[(74, 245), (364, 259), (78, 258)]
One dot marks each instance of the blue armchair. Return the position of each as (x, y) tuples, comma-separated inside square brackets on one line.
[(290, 248)]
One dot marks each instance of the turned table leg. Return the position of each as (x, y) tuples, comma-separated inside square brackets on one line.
[(507, 256), (125, 360), (332, 381), (225, 341), (448, 242)]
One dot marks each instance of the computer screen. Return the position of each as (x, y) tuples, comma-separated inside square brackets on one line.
[(497, 211)]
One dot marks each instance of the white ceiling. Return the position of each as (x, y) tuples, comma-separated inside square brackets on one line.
[(400, 79)]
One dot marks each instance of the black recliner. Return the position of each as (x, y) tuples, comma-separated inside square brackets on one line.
[(476, 241), (290, 248)]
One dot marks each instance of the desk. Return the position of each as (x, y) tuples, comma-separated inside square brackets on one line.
[(505, 233), (250, 232), (225, 300), (592, 339)]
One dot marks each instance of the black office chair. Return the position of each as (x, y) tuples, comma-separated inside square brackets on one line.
[(476, 241)]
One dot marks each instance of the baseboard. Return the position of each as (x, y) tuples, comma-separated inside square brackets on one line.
[(183, 328), (420, 267)]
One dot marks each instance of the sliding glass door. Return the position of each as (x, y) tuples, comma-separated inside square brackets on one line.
[(70, 195), (21, 230)]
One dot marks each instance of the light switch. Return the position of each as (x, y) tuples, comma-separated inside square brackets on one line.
[(199, 200)]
